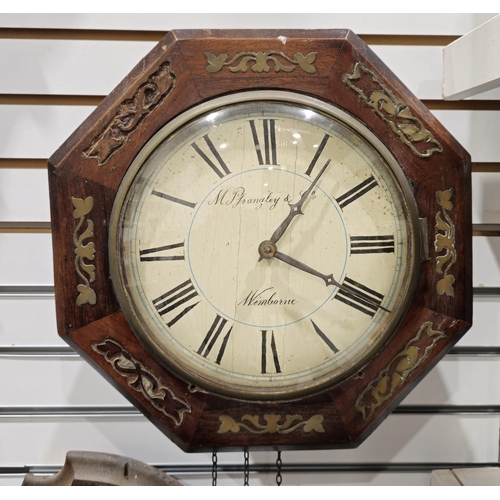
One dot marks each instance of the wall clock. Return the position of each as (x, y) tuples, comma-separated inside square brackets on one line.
[(262, 239)]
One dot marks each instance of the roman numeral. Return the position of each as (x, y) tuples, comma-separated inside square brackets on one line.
[(269, 134), (362, 298), (216, 155), (173, 198), (273, 350), (175, 298), (211, 338), (356, 192), (372, 244), (317, 155), (145, 257), (323, 337)]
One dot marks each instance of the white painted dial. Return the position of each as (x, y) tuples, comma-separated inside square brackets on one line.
[(337, 229)]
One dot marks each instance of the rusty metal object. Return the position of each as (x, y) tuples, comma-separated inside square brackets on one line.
[(88, 468)]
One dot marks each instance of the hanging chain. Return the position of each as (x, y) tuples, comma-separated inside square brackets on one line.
[(245, 469), (214, 468), (279, 463)]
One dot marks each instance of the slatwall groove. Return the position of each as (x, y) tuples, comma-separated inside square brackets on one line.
[(115, 411), (26, 291), (63, 352), (490, 230), (83, 34), (485, 229), (303, 468), (468, 105), (95, 100), (48, 290), (486, 167), (156, 35), (25, 227), (50, 100), (23, 163), (42, 163)]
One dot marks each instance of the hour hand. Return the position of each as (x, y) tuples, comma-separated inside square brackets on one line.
[(328, 279)]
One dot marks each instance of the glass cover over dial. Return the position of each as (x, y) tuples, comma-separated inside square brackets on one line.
[(264, 246)]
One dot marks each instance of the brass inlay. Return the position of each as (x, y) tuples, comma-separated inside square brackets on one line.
[(260, 62), (445, 241), (131, 113), (396, 114), (192, 388), (396, 373), (272, 425), (142, 380), (84, 251)]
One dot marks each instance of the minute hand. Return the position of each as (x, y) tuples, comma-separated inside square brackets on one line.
[(296, 208), (328, 279)]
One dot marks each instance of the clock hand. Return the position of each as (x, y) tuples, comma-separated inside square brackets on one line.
[(296, 208), (328, 279)]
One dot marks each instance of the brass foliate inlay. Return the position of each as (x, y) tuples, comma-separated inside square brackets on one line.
[(397, 372), (272, 424), (130, 114), (445, 242), (396, 114), (259, 62), (84, 251), (142, 380)]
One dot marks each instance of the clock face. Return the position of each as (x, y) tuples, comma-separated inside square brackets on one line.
[(264, 246)]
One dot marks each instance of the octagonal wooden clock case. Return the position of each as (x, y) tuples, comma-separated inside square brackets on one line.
[(262, 239)]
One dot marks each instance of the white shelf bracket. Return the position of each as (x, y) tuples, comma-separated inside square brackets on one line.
[(471, 64)]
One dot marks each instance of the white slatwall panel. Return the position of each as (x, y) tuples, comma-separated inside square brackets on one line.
[(26, 259), (456, 380), (92, 67), (416, 24), (59, 382), (24, 196), (477, 131), (49, 126), (486, 261), (18, 265), (28, 321), (17, 328), (95, 67), (46, 126), (400, 438), (485, 199), (486, 328)]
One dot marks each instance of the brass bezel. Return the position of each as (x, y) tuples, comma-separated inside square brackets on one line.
[(212, 105)]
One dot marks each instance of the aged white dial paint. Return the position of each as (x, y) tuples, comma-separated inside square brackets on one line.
[(185, 248)]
